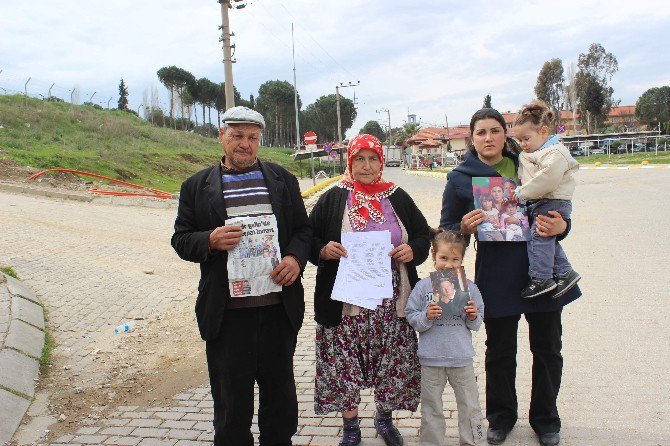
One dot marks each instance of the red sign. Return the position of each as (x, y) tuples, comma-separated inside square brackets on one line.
[(310, 138)]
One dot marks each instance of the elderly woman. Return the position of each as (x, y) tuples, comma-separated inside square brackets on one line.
[(357, 348), (501, 271)]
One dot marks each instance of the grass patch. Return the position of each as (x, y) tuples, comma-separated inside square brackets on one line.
[(113, 143), (49, 345), (663, 157), (14, 392), (9, 271)]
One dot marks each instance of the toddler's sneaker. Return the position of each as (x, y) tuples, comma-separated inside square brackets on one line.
[(565, 282), (538, 287)]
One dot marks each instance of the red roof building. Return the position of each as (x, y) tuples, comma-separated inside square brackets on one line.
[(622, 118)]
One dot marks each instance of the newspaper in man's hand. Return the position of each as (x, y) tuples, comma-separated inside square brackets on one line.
[(255, 256)]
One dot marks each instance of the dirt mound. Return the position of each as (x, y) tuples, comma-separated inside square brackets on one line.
[(13, 172)]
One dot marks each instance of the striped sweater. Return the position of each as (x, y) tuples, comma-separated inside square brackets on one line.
[(246, 195)]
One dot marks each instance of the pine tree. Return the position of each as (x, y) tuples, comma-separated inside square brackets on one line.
[(123, 96)]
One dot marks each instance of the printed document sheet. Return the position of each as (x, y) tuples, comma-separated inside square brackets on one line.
[(364, 277)]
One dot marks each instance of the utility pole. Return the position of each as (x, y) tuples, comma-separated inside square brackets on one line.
[(295, 98), (388, 114), (227, 50), (339, 120)]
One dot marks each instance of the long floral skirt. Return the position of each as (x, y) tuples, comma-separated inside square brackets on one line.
[(375, 349)]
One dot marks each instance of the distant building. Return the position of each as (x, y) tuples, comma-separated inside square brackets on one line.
[(622, 118), (441, 145)]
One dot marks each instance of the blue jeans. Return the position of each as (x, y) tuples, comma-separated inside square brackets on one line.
[(545, 255)]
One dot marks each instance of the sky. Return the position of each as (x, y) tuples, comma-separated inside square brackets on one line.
[(433, 59)]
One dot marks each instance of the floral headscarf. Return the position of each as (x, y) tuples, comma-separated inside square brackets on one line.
[(365, 199)]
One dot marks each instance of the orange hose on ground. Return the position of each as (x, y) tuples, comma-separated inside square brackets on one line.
[(156, 192)]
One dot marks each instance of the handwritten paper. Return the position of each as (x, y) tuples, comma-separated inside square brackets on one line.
[(364, 277)]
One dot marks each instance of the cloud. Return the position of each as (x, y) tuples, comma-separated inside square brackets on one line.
[(433, 58)]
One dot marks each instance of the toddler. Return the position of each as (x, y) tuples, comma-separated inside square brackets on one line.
[(489, 229), (445, 348), (513, 231), (545, 170)]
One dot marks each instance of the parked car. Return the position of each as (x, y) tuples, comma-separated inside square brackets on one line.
[(597, 150), (450, 159), (577, 151)]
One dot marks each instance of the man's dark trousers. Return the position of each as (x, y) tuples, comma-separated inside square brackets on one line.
[(255, 344), (544, 332)]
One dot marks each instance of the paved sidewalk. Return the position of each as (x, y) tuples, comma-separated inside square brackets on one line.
[(21, 342), (614, 389)]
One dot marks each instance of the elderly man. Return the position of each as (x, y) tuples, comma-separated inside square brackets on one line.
[(252, 338)]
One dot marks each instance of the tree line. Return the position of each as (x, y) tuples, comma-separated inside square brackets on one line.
[(585, 89), (191, 97)]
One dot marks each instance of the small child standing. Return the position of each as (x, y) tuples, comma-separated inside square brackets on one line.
[(445, 348), (545, 170)]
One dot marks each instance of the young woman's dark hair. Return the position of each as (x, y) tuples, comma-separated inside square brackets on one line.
[(487, 113), (512, 145), (492, 113)]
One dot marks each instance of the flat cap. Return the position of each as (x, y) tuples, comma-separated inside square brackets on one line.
[(243, 115)]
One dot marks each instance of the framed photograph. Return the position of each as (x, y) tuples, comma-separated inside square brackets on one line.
[(506, 220), (450, 290)]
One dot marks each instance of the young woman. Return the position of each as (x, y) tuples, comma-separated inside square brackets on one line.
[(501, 271)]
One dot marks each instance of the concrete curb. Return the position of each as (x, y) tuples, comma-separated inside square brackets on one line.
[(421, 173), (582, 167), (317, 187), (21, 189), (625, 167), (88, 198), (21, 343)]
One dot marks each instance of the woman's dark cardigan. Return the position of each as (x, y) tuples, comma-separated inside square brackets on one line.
[(326, 220)]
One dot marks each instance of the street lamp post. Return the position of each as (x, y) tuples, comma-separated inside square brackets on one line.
[(339, 119)]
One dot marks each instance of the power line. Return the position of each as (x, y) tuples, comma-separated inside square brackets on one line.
[(312, 55), (319, 45)]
